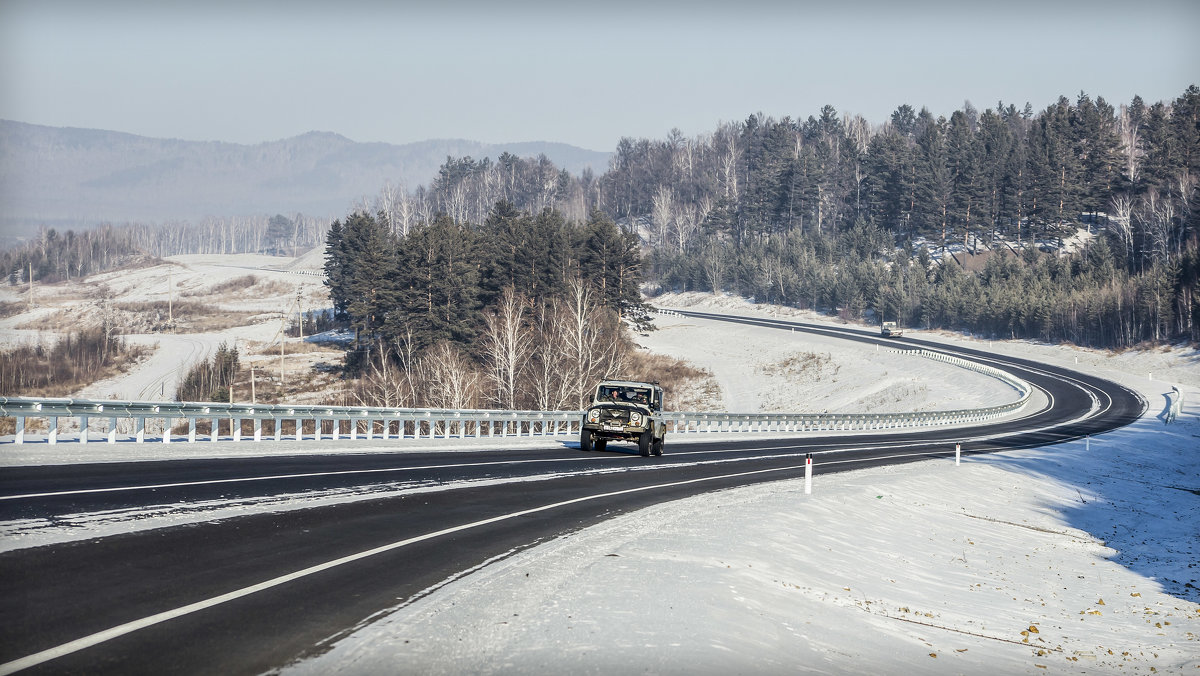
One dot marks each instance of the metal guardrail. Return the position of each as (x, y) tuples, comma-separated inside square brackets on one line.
[(334, 422), (327, 422)]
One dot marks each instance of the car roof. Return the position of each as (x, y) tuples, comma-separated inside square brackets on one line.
[(626, 383)]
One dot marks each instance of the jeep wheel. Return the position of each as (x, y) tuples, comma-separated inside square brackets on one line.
[(585, 440), (645, 440), (657, 447)]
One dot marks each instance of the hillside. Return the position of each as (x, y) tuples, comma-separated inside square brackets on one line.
[(72, 177)]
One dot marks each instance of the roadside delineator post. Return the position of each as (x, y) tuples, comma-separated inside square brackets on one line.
[(957, 454), (808, 473), (1087, 443)]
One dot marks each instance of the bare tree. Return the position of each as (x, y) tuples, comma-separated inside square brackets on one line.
[(729, 160), (662, 211), (1130, 147), (548, 365), (507, 341), (453, 381), (1156, 216), (591, 335), (713, 263), (384, 383), (1120, 219)]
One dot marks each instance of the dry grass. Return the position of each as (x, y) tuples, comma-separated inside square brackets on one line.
[(803, 367), (246, 286), (685, 387), (296, 347), (8, 309)]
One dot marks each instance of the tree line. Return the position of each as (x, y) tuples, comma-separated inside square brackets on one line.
[(521, 310), (54, 256)]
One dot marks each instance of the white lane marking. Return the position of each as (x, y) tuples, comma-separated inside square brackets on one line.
[(382, 470), (130, 627)]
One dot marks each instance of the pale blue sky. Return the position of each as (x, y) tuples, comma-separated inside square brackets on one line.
[(248, 72)]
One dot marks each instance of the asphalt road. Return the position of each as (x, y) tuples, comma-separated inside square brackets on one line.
[(248, 594)]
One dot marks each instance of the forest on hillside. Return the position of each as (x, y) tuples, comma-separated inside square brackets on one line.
[(838, 214)]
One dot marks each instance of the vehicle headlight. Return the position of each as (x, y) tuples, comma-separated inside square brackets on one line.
[(635, 418), (594, 415)]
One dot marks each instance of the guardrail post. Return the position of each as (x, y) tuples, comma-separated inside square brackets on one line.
[(337, 429), (237, 429), (278, 425), (258, 429), (353, 429), (141, 430), (112, 430), (191, 430), (214, 430), (299, 429), (83, 429), (52, 432), (166, 437)]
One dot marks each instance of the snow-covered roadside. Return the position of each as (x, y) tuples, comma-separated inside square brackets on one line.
[(927, 568), (1077, 558), (765, 370)]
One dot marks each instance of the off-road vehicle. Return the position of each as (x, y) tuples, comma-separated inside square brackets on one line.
[(624, 410)]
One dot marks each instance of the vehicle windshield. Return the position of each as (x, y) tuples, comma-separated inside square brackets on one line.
[(625, 394)]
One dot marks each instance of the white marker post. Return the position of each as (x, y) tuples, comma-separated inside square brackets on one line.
[(808, 474), (957, 454), (1087, 443)]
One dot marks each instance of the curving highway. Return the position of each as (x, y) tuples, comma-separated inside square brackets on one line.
[(253, 593)]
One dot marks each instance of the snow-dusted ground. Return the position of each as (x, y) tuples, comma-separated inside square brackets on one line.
[(765, 370), (67, 306), (1055, 560), (1066, 559)]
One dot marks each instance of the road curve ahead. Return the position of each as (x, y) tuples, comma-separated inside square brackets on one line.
[(246, 594)]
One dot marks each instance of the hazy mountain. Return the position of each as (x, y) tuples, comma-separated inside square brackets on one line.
[(69, 177)]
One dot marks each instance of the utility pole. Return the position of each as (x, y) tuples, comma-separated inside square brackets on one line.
[(232, 378), (282, 336), (253, 396), (300, 311)]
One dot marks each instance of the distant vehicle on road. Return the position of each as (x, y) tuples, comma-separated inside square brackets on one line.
[(891, 330), (624, 410)]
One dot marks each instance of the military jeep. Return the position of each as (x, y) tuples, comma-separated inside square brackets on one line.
[(624, 410)]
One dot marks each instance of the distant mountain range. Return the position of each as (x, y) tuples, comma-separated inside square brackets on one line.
[(65, 177)]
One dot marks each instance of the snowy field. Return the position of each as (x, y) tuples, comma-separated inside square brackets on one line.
[(183, 279), (1054, 560)]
